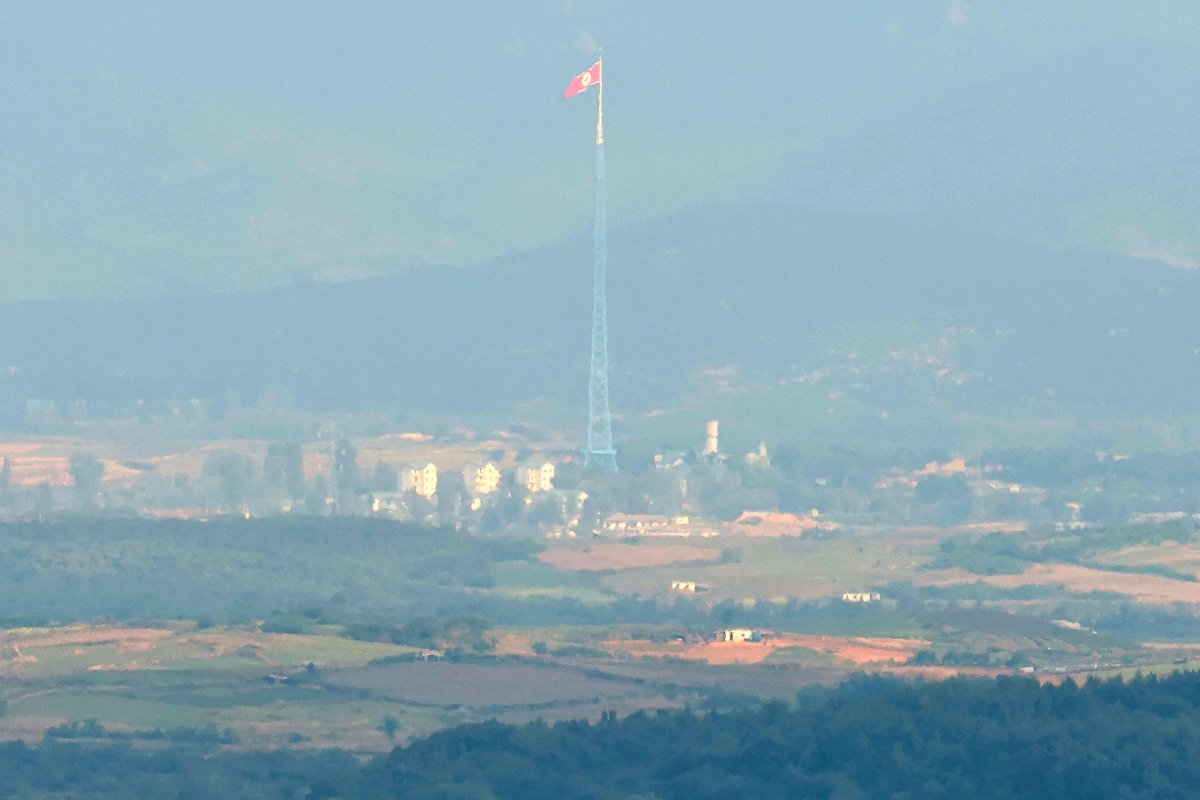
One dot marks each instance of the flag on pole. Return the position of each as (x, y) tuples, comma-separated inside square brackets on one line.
[(583, 81)]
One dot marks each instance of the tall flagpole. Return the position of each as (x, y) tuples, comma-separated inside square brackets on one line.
[(600, 108), (599, 450)]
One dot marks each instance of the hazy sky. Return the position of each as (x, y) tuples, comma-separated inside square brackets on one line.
[(150, 146)]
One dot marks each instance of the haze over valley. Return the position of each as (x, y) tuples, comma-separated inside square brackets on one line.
[(375, 423)]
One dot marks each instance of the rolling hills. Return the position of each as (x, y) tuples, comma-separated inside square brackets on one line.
[(889, 309)]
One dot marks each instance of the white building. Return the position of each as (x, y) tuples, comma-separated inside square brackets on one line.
[(481, 479), (421, 481), (536, 477)]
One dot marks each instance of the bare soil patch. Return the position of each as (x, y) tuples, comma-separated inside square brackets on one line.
[(854, 649), (936, 673), (1176, 556), (125, 638)]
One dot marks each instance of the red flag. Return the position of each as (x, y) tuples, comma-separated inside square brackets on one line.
[(583, 81)]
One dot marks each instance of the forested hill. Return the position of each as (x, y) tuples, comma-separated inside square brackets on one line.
[(869, 738), (770, 289)]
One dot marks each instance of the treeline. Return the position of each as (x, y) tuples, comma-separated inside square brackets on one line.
[(92, 729), (871, 737), (383, 580), (235, 570), (58, 770)]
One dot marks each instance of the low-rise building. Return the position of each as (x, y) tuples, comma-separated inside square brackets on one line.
[(679, 525), (675, 459), (860, 597), (390, 504), (741, 635), (634, 524)]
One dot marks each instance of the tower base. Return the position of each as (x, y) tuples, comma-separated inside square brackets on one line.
[(602, 459)]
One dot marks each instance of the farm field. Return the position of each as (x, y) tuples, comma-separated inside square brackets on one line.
[(259, 689), (1183, 558), (139, 679), (1143, 588), (1140, 587), (566, 629), (738, 568), (602, 556), (484, 686)]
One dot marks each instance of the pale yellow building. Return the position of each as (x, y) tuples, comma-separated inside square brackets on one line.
[(536, 477), (421, 481), (481, 479)]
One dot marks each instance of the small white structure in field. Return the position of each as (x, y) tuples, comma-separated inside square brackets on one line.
[(860, 597)]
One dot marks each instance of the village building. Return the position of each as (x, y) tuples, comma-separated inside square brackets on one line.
[(388, 504), (741, 635), (676, 459), (635, 524), (759, 458), (860, 597), (536, 477), (421, 481), (481, 479), (680, 525)]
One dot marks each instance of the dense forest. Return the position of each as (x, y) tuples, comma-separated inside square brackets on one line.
[(1011, 738), (870, 737), (234, 570)]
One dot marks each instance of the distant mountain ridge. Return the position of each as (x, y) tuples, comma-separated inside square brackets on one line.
[(235, 148), (771, 289)]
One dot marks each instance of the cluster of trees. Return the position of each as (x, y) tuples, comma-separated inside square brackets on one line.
[(873, 737), (230, 569), (839, 479), (845, 481), (230, 481), (69, 770), (870, 737), (92, 729)]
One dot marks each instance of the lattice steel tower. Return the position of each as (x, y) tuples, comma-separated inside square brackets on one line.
[(599, 451)]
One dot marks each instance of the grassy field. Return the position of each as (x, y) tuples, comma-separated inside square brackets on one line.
[(739, 568), (1183, 558), (524, 579), (481, 685), (603, 631), (180, 677)]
